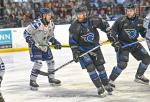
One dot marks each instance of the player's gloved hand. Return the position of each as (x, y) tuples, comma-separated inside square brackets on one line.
[(117, 46), (138, 46), (57, 45), (30, 41), (76, 56)]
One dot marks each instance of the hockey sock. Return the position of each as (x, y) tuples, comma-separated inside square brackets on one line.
[(50, 65), (34, 73), (141, 69), (115, 73), (103, 77), (95, 79)]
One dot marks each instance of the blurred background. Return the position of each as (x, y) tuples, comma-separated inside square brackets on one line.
[(18, 13)]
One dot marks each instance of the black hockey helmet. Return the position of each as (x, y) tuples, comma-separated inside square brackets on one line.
[(81, 13), (129, 11), (130, 6)]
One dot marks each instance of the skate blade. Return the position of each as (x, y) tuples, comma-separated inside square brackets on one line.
[(109, 93), (139, 81), (102, 95), (53, 84), (33, 88)]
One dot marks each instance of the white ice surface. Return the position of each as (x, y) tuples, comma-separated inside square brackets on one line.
[(76, 84)]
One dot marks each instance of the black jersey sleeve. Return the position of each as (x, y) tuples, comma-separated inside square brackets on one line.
[(115, 30), (100, 23), (141, 28), (103, 25), (73, 37)]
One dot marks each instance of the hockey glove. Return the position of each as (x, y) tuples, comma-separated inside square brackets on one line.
[(57, 45), (30, 41), (117, 46), (76, 56)]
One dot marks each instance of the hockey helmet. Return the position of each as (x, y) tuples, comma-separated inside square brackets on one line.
[(130, 6), (131, 11), (81, 13)]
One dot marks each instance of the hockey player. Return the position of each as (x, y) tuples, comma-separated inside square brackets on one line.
[(2, 70), (83, 36), (126, 30), (38, 35), (147, 26)]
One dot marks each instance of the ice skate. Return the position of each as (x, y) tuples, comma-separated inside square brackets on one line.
[(33, 85), (109, 89), (54, 82), (141, 79), (101, 92), (112, 84)]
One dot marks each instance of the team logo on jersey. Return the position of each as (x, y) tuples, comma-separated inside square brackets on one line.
[(132, 33), (89, 37)]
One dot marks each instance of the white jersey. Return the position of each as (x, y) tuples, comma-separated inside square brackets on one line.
[(40, 33), (145, 24)]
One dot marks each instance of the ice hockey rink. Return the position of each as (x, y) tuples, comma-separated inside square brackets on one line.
[(76, 84)]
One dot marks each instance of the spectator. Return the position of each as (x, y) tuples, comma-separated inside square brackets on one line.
[(26, 19), (65, 9), (103, 15)]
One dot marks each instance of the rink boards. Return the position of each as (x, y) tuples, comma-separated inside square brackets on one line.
[(14, 40)]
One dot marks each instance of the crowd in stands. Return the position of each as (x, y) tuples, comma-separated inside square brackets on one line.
[(20, 14)]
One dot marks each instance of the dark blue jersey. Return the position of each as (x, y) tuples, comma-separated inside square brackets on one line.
[(84, 35), (128, 30)]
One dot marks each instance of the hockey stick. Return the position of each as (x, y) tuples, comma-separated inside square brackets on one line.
[(46, 74), (125, 46)]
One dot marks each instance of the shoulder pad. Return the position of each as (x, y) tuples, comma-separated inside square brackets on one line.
[(94, 18), (73, 22), (140, 21), (35, 24), (97, 22), (75, 27), (122, 18)]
